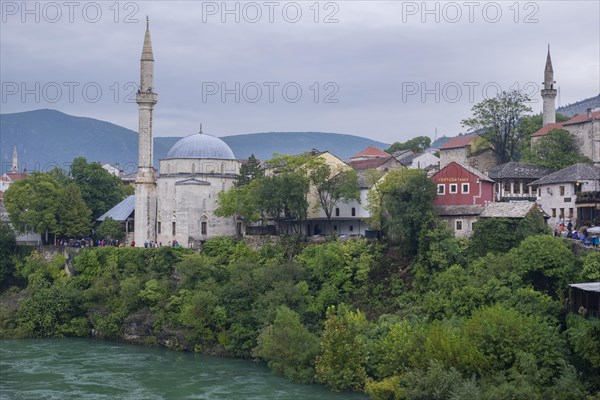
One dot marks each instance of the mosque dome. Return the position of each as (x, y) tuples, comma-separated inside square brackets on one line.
[(201, 145)]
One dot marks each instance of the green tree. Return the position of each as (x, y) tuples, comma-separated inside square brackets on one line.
[(343, 358), (99, 188), (111, 229), (73, 214), (530, 124), (333, 186), (288, 347), (249, 171), (8, 248), (556, 150), (282, 197), (374, 198), (417, 144), (407, 195), (32, 204), (502, 234), (239, 201), (498, 119)]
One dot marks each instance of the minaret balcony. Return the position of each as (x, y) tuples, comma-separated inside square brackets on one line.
[(146, 98)]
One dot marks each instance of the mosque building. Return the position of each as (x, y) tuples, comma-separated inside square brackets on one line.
[(178, 204)]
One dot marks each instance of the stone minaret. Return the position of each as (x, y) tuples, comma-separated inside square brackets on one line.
[(15, 160), (145, 184), (549, 93)]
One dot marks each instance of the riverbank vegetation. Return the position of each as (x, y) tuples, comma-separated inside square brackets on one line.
[(449, 323)]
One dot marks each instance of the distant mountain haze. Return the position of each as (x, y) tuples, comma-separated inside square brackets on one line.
[(48, 138)]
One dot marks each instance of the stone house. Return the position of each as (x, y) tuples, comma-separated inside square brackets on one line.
[(513, 179), (418, 160), (468, 150), (460, 218), (558, 193), (585, 128), (384, 164)]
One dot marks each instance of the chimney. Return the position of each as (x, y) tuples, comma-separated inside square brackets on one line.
[(589, 113)]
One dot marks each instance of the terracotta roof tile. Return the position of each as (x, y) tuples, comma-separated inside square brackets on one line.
[(370, 151), (370, 163), (578, 119), (546, 129), (458, 141)]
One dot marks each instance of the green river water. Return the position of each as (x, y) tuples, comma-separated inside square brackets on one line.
[(91, 369)]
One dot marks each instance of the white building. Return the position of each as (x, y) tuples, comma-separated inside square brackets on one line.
[(178, 205), (558, 192)]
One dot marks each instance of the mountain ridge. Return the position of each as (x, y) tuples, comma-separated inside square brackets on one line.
[(46, 138)]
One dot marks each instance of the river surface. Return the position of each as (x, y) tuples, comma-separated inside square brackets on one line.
[(92, 370)]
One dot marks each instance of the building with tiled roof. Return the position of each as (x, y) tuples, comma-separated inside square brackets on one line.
[(513, 179), (463, 150), (460, 218), (379, 163), (459, 184), (458, 142), (585, 127), (418, 160), (570, 194), (369, 152), (508, 210)]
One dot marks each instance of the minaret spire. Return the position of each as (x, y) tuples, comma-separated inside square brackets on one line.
[(145, 190), (549, 93)]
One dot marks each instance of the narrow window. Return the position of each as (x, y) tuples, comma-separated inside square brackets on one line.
[(351, 228), (570, 213), (335, 228), (173, 228), (507, 187), (554, 213), (453, 188), (353, 212), (465, 188), (441, 188), (203, 228), (158, 227), (337, 212), (561, 189), (562, 213), (459, 225), (517, 188)]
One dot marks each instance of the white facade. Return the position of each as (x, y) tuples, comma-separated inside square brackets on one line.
[(187, 192), (424, 160), (558, 199), (347, 219)]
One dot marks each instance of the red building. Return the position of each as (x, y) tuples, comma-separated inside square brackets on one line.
[(461, 185)]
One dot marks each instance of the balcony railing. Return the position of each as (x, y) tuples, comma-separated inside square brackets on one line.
[(587, 197)]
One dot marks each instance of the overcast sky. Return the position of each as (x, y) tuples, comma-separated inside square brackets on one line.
[(387, 70)]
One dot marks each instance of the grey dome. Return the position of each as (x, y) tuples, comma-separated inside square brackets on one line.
[(201, 145)]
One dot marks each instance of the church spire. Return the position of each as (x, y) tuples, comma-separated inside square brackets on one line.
[(15, 160), (549, 93)]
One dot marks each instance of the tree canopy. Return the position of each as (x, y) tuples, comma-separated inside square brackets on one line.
[(418, 144), (556, 150), (497, 120)]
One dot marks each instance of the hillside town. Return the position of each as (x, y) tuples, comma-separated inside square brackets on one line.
[(462, 269), (178, 203)]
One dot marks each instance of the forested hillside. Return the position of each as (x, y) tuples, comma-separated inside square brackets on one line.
[(454, 322)]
